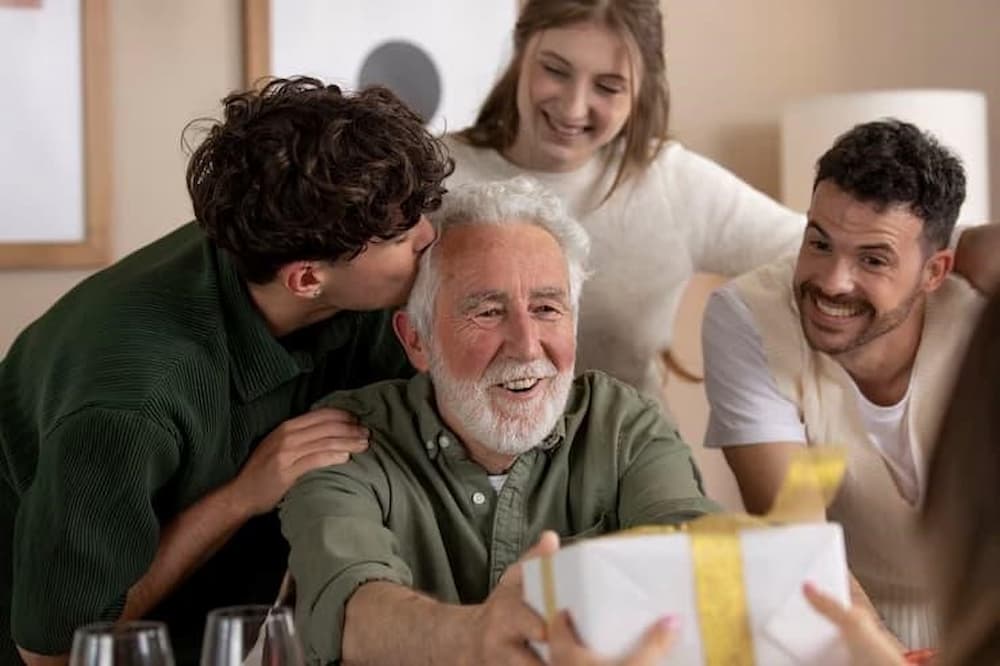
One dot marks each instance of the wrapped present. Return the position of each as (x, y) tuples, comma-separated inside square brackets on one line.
[(734, 581)]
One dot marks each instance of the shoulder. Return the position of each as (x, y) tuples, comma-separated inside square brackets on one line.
[(472, 162), (127, 333), (771, 282), (595, 389), (599, 403), (378, 398), (725, 305), (393, 410), (952, 312), (726, 319), (956, 296), (684, 165)]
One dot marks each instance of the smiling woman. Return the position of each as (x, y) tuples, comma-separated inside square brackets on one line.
[(574, 95)]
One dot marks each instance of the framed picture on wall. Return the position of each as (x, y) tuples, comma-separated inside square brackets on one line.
[(54, 138), (440, 56)]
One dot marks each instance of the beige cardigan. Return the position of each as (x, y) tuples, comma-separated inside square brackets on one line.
[(880, 527)]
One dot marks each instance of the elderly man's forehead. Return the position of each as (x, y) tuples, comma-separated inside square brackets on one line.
[(473, 257), (478, 240)]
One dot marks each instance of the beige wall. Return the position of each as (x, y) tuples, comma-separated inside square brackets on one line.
[(170, 62), (732, 65)]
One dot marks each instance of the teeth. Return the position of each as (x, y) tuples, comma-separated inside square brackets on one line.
[(520, 384), (567, 130), (836, 309)]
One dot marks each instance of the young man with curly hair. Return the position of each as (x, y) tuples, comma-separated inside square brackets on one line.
[(154, 416)]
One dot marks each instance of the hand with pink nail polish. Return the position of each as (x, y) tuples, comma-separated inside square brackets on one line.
[(565, 648), (868, 643)]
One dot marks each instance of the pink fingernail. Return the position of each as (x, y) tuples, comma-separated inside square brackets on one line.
[(670, 622)]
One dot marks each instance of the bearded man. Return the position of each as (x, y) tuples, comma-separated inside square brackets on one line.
[(855, 343), (398, 555)]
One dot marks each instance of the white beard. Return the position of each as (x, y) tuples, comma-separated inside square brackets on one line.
[(510, 428)]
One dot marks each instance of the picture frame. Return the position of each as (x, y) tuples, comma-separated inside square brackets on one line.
[(85, 240), (441, 57)]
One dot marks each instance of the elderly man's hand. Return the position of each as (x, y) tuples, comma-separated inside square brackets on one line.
[(503, 623), (565, 648), (315, 439)]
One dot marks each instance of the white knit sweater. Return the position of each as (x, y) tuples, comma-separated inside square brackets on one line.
[(880, 526), (685, 214)]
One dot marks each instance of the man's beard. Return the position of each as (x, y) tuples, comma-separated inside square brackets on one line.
[(878, 324), (513, 427)]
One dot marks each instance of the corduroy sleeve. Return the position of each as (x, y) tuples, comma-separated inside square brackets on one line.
[(86, 529)]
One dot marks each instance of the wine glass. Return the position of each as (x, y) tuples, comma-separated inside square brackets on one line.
[(139, 643), (254, 635)]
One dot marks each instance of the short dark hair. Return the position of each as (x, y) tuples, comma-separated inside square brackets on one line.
[(893, 163), (299, 171)]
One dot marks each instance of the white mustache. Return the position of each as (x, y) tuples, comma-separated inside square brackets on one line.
[(506, 370)]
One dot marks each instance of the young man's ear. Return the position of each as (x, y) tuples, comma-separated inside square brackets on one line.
[(301, 279), (937, 268), (413, 345)]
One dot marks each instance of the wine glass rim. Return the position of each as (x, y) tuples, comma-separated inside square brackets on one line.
[(248, 610), (122, 628)]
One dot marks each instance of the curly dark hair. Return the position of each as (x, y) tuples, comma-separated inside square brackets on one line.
[(299, 171), (893, 163)]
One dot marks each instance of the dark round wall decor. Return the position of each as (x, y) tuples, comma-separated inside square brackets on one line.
[(406, 69)]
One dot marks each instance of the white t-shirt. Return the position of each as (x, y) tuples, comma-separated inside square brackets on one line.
[(748, 408)]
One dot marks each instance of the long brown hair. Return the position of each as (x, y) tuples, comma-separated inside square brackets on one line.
[(641, 25), (962, 511)]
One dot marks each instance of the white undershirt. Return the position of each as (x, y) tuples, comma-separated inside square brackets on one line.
[(748, 408), (497, 481)]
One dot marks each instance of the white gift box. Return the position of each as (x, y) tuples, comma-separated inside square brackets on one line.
[(615, 587)]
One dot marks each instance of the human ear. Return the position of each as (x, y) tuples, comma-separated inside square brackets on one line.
[(408, 336), (301, 278), (937, 268)]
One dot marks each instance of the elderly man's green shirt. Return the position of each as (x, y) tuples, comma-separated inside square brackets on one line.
[(415, 510)]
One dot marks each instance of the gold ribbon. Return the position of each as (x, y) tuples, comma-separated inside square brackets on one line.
[(549, 589), (810, 484)]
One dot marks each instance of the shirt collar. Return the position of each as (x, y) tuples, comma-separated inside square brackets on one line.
[(260, 363)]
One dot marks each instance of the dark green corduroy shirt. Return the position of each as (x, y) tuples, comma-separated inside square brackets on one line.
[(415, 510), (142, 389)]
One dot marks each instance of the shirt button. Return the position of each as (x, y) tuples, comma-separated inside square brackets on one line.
[(478, 498), (444, 442), (429, 444)]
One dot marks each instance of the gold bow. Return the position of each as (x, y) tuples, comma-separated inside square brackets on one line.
[(810, 484)]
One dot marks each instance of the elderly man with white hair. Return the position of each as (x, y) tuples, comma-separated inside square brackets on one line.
[(399, 554)]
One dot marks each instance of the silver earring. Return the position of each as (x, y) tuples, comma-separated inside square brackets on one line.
[(317, 293)]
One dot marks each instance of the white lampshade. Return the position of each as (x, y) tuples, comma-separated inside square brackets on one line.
[(957, 118)]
